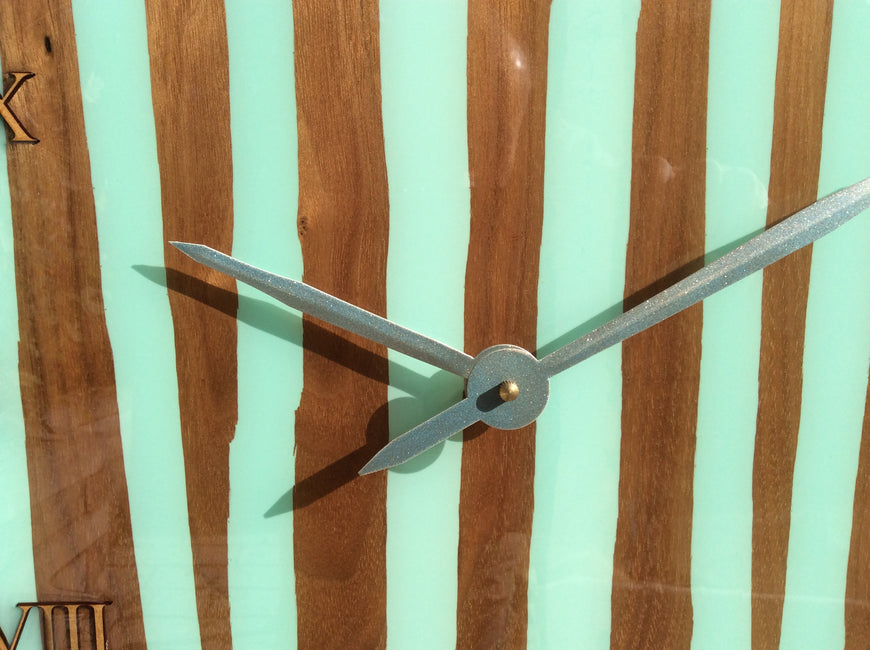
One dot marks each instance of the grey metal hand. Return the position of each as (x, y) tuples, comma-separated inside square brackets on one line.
[(335, 311), (797, 231), (425, 436), (793, 233)]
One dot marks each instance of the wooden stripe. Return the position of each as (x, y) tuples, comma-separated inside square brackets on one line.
[(82, 538), (339, 527), (507, 85), (801, 76), (858, 573), (651, 600), (189, 88)]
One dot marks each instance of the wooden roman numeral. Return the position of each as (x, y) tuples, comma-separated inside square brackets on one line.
[(19, 133)]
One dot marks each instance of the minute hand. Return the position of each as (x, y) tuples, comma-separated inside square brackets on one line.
[(797, 231)]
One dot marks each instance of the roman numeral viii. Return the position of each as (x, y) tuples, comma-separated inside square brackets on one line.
[(51, 613)]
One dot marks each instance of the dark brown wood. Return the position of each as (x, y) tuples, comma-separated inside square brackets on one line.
[(339, 525), (858, 573), (507, 87), (651, 599), (187, 43), (801, 77), (82, 538)]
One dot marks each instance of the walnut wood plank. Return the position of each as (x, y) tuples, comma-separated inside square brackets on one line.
[(189, 88), (651, 600), (82, 538), (507, 86), (801, 77), (858, 573), (339, 526)]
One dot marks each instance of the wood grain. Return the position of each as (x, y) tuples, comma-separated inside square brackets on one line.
[(507, 86), (801, 77), (339, 525), (651, 600), (189, 88), (857, 607), (82, 538)]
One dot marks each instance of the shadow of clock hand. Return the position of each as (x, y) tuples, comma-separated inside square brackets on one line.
[(283, 323), (587, 326), (642, 294), (400, 414), (407, 412), (424, 394), (335, 475)]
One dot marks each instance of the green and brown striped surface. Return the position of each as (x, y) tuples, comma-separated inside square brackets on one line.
[(484, 172)]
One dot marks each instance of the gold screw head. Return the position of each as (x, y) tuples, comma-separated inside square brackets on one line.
[(508, 390)]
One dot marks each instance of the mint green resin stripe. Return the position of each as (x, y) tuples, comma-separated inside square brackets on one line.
[(116, 92), (836, 350), (423, 84), (586, 213), (265, 198), (743, 54), (16, 558)]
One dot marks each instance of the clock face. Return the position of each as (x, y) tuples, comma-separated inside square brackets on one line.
[(179, 454)]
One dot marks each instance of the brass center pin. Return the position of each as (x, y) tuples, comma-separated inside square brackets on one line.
[(508, 390)]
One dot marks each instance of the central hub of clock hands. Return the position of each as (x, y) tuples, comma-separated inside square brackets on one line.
[(507, 387), (503, 365), (497, 370)]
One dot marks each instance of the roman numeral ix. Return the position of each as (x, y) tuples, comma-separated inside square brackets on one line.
[(19, 133)]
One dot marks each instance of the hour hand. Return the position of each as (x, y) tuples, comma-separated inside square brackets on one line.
[(506, 389), (425, 436), (330, 309)]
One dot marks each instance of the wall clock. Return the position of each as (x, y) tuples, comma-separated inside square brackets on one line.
[(180, 454)]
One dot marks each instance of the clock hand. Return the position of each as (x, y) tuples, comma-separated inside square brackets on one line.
[(424, 436), (335, 311), (502, 365), (506, 389), (797, 231)]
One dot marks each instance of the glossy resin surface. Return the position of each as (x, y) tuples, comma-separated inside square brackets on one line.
[(483, 173)]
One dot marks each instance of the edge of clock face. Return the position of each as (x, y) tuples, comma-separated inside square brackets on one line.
[(180, 454)]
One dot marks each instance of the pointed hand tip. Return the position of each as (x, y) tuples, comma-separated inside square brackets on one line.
[(372, 466), (180, 245), (196, 251)]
